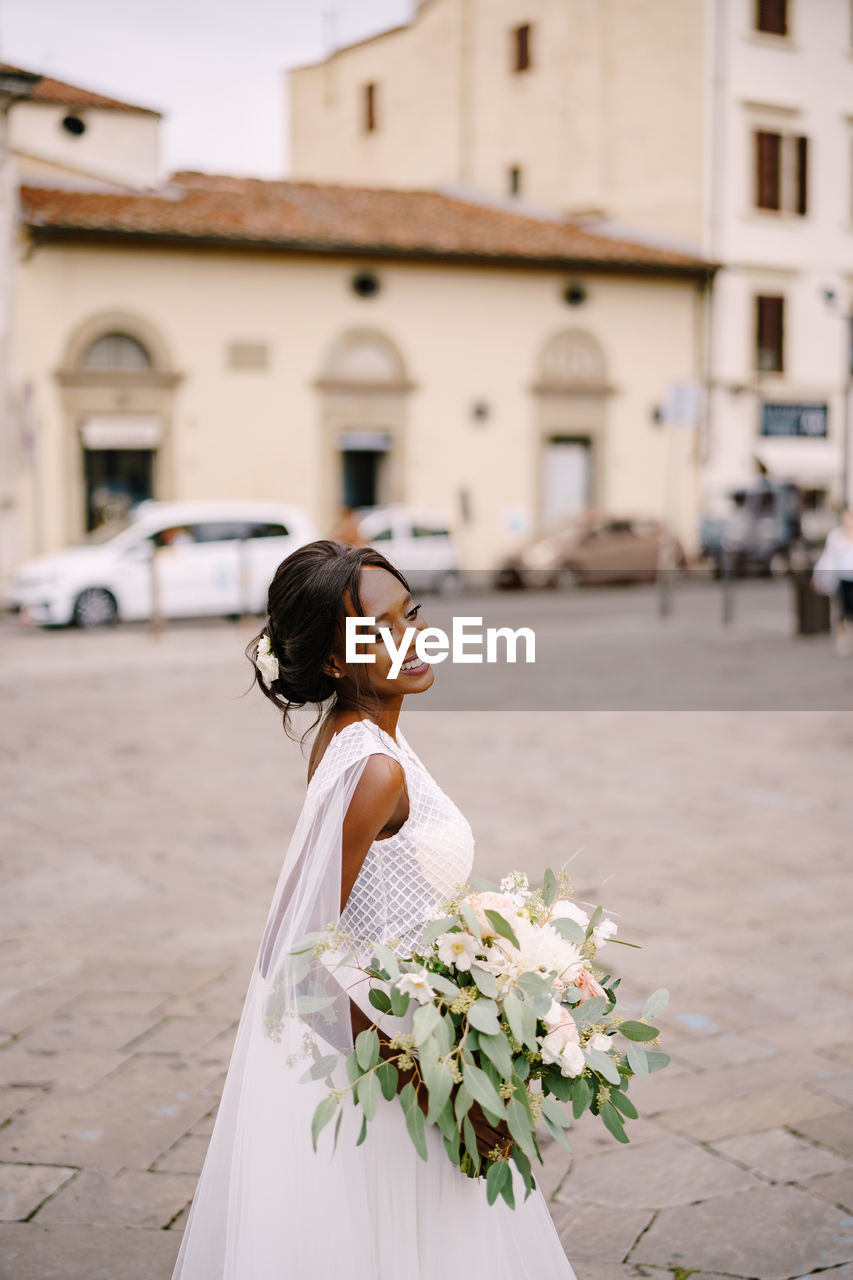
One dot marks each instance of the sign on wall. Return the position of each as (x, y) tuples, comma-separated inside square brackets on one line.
[(794, 420)]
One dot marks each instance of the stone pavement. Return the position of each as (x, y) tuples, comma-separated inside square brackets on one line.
[(146, 809)]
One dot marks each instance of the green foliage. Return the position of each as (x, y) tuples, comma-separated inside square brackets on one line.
[(570, 930), (603, 1064), (436, 928), (499, 1183), (380, 1000), (368, 1094), (467, 914), (483, 1091), (362, 1133), (484, 1016), (593, 921), (624, 1104), (399, 1002), (414, 1119), (522, 1020), (484, 981), (613, 1121), (656, 1003), (321, 1117), (638, 1061), (638, 1031), (426, 1020), (322, 1068), (496, 1049), (501, 927), (549, 887), (388, 960), (367, 1049), (581, 1095), (656, 1061), (388, 1077)]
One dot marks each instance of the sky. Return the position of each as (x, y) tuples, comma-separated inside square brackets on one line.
[(215, 68)]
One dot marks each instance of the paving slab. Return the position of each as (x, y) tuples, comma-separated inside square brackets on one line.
[(73, 1069), (834, 1131), (654, 1175), (130, 1199), (88, 1029), (842, 1050), (126, 1121), (601, 1269), (841, 1088), (837, 1188), (70, 1252), (187, 1156), (770, 1233), (585, 1230), (780, 1155), (725, 1049), (23, 1187), (183, 1035), (766, 1110)]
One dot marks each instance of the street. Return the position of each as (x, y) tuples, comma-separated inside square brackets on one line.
[(147, 807)]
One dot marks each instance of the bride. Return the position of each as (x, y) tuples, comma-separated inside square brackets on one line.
[(378, 846)]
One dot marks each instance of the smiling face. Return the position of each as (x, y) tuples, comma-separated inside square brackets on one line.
[(384, 598)]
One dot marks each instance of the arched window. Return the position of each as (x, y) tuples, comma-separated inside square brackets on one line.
[(116, 351)]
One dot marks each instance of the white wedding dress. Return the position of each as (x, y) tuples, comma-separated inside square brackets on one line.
[(267, 1207)]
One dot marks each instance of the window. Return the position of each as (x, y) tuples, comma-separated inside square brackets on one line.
[(268, 531), (221, 531), (370, 117), (429, 531), (781, 172), (116, 351), (769, 333), (515, 180), (521, 60), (771, 16)]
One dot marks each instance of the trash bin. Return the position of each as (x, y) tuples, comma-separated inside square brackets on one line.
[(813, 611)]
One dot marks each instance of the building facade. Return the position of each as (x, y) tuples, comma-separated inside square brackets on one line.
[(722, 125)]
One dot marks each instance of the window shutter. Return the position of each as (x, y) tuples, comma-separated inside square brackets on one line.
[(770, 335), (802, 175), (772, 16), (522, 47), (768, 149), (369, 108)]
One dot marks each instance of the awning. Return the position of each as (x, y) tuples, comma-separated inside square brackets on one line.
[(808, 462), (121, 431)]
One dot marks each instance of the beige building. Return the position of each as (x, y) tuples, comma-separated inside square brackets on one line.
[(326, 345), (721, 126)]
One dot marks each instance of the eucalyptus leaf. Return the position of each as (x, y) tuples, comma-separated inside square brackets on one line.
[(463, 1103), (426, 1020), (337, 1131), (581, 1095), (321, 1117), (362, 1132), (593, 921), (496, 1049), (624, 1104), (656, 1061), (446, 1122), (556, 1131), (451, 1146), (533, 984), (638, 1061), (561, 1086), (638, 1031), (613, 1121), (380, 999), (322, 1068), (555, 1113), (656, 1003), (367, 1049), (312, 1004), (603, 1064), (368, 1094), (589, 1011), (483, 1091), (443, 985), (399, 1002), (470, 1137), (506, 1186), (570, 930), (415, 1125), (524, 1167), (352, 1068), (483, 1015), (467, 914), (485, 886), (549, 887), (520, 1128), (502, 927), (495, 1179), (485, 981), (388, 1077), (387, 959), (522, 1020), (440, 1086)]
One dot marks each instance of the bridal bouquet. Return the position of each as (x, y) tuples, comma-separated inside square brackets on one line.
[(510, 1013)]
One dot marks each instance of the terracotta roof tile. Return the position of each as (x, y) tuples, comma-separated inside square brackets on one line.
[(61, 94), (329, 219)]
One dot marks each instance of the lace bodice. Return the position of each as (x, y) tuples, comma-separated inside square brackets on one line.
[(405, 877)]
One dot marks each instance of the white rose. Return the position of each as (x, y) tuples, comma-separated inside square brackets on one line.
[(266, 662), (600, 1042), (565, 910), (561, 1046), (603, 931)]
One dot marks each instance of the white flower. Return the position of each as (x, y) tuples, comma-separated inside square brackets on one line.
[(457, 949), (563, 909), (266, 662), (517, 886), (561, 1044), (541, 950), (599, 1041), (603, 931), (415, 984)]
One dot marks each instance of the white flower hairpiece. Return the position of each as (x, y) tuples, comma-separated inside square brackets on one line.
[(266, 661)]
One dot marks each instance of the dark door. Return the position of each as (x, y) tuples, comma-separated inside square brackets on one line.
[(116, 479), (361, 477)]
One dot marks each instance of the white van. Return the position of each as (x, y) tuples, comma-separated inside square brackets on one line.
[(200, 558), (419, 542)]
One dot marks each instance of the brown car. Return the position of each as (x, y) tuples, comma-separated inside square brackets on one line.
[(598, 549)]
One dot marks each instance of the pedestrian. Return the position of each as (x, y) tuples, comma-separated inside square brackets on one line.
[(833, 575)]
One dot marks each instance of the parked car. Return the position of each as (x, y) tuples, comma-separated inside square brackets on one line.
[(758, 528), (418, 542), (201, 558), (592, 549)]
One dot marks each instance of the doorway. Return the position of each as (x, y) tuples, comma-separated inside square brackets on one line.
[(567, 478), (116, 480), (361, 477)]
